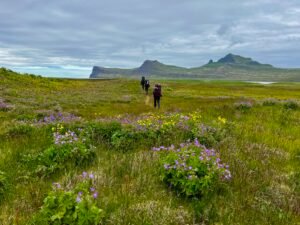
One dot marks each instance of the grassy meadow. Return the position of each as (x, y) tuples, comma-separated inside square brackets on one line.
[(261, 147)]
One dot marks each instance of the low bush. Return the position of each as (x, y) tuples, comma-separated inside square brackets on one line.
[(70, 148), (158, 129), (243, 106), (71, 205), (207, 135), (192, 169), (103, 131), (270, 102), (293, 105), (125, 139)]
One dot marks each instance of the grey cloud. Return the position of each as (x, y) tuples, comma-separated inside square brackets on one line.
[(116, 33)]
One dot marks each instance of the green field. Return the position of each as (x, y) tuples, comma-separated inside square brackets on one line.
[(261, 145)]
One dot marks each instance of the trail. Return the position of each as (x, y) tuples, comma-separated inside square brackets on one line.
[(147, 100)]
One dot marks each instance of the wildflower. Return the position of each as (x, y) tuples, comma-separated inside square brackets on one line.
[(80, 193), (57, 185), (92, 189), (84, 174), (222, 120), (78, 199), (171, 147), (91, 176), (95, 195), (196, 142)]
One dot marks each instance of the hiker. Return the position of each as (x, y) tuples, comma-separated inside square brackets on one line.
[(147, 85), (157, 95), (143, 82)]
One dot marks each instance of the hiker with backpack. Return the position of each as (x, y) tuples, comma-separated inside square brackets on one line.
[(143, 82), (156, 95), (147, 85)]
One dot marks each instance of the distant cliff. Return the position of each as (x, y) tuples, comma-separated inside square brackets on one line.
[(230, 67)]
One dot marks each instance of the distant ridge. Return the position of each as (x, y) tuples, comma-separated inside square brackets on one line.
[(239, 60), (230, 67)]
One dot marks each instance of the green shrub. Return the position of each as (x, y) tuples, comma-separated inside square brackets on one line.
[(76, 205), (104, 131), (270, 102), (243, 106), (124, 139), (192, 169), (290, 105), (69, 149), (207, 135)]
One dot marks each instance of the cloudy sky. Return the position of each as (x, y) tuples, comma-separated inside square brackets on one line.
[(67, 37)]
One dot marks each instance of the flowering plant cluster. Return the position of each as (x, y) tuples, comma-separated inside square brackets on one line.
[(243, 106), (4, 106), (58, 118), (76, 205), (158, 122), (162, 128), (167, 122), (65, 136), (208, 135), (70, 148), (192, 169)]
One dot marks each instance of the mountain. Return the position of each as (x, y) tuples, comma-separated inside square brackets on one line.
[(149, 67), (230, 67), (240, 61)]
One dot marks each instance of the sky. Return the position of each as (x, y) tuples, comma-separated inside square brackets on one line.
[(67, 38)]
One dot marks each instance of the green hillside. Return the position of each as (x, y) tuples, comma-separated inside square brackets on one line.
[(231, 67)]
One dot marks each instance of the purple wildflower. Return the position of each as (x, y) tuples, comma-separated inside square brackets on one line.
[(196, 142), (57, 185), (95, 195), (91, 176), (78, 199), (92, 189), (84, 174)]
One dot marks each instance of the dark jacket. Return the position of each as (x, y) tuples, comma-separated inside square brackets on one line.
[(143, 81), (157, 91)]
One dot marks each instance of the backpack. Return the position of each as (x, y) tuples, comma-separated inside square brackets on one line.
[(147, 83), (157, 91)]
